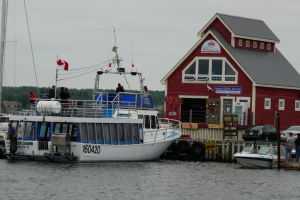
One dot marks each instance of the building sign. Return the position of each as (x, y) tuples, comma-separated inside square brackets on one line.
[(172, 107), (210, 146), (228, 90), (230, 127), (190, 125), (215, 125), (210, 46)]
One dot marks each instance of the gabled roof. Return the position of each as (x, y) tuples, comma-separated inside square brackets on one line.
[(263, 68), (244, 27)]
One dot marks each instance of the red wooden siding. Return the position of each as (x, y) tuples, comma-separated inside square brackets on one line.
[(218, 25), (288, 116)]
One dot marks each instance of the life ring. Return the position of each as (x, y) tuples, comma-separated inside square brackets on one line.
[(199, 149)]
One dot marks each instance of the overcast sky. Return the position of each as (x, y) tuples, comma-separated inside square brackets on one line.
[(158, 32)]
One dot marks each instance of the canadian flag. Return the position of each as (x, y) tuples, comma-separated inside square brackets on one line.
[(63, 64), (210, 89)]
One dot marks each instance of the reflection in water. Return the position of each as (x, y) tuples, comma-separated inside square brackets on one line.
[(143, 180)]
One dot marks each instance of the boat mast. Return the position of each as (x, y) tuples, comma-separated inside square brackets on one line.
[(2, 49)]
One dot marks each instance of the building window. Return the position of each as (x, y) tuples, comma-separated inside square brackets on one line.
[(247, 43), (281, 104), (269, 46), (297, 105), (262, 45), (267, 103), (240, 42), (254, 44), (214, 70)]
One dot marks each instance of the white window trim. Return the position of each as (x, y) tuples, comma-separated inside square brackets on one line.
[(240, 42), (209, 71), (268, 107), (297, 101), (281, 108), (244, 98), (269, 46), (254, 44), (262, 45), (247, 43)]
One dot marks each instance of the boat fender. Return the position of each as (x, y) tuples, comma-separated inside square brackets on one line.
[(188, 153), (2, 152), (184, 143), (199, 149), (173, 151)]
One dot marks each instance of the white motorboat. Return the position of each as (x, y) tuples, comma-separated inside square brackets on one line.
[(264, 158), (112, 127)]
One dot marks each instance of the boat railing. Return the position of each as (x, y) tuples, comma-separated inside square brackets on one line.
[(104, 106)]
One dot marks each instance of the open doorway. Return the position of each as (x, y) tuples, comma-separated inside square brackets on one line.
[(193, 110)]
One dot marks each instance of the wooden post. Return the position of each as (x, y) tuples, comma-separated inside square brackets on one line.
[(227, 151), (232, 150), (223, 150), (215, 152), (278, 140), (239, 147)]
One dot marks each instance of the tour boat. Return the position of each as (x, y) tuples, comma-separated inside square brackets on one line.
[(112, 127), (264, 158)]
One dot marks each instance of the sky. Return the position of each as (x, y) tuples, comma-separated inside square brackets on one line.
[(153, 35)]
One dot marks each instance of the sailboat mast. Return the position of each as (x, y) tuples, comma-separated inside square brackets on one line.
[(2, 49)]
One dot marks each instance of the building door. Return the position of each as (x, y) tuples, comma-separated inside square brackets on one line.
[(227, 106)]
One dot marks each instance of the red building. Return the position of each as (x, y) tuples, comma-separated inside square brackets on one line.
[(237, 58)]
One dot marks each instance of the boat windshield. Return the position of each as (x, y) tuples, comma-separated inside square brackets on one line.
[(263, 150), (246, 150)]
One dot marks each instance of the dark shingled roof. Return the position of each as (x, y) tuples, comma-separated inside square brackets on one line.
[(248, 27), (263, 67)]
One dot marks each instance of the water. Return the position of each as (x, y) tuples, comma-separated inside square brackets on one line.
[(144, 180)]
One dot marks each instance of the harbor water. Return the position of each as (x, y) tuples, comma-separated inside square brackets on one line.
[(144, 180)]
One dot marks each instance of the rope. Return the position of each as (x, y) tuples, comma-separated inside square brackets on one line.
[(80, 75), (93, 66), (31, 49), (90, 66)]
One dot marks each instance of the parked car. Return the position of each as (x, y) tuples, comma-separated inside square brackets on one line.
[(292, 129), (260, 132)]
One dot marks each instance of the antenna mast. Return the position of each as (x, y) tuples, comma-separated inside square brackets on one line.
[(115, 50)]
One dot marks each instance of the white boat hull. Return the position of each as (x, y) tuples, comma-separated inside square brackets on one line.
[(248, 162), (85, 152)]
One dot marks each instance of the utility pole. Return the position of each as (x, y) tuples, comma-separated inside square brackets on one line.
[(278, 139), (2, 48)]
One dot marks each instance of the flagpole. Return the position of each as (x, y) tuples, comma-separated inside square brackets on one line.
[(56, 78)]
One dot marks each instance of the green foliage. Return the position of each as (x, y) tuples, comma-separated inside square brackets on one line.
[(21, 94)]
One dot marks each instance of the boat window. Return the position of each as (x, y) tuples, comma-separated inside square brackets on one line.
[(57, 128), (64, 128), (73, 132), (128, 134), (106, 133), (16, 126), (29, 130), (113, 132), (99, 133), (147, 121), (140, 116), (83, 133), (91, 133), (157, 124), (70, 129), (263, 150), (44, 131), (141, 132), (246, 149), (153, 122), (135, 136), (121, 133)]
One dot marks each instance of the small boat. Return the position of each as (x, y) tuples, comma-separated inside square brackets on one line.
[(264, 158)]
